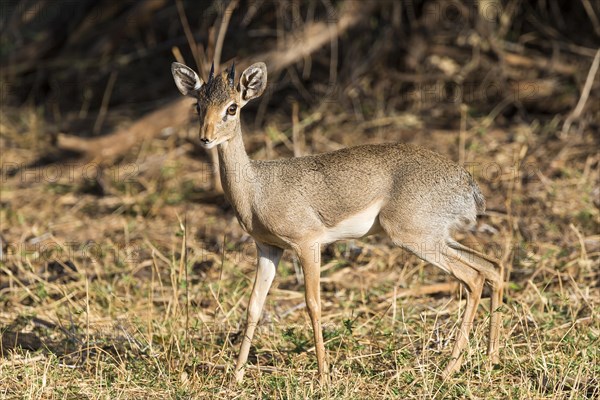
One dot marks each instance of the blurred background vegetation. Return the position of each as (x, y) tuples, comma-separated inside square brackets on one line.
[(74, 60)]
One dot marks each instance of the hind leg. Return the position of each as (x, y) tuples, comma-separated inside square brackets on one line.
[(473, 281), (492, 270), (436, 252), (495, 322)]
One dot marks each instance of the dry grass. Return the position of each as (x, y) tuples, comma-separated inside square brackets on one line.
[(131, 279), (135, 283)]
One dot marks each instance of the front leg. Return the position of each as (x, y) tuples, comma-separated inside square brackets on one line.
[(268, 258), (310, 259)]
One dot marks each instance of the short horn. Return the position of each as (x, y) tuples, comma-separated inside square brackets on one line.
[(231, 74), (212, 71)]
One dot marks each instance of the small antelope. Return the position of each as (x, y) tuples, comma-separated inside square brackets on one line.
[(415, 196)]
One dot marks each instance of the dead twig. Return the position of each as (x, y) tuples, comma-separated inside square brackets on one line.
[(297, 135), (426, 290), (222, 30), (585, 93), (112, 79), (189, 36), (23, 361), (592, 15)]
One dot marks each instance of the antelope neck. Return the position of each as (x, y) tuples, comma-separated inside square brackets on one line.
[(238, 177)]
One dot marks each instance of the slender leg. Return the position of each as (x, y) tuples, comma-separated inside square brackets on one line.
[(472, 269), (473, 297), (474, 282), (268, 258), (492, 270), (495, 322), (311, 264), (453, 262)]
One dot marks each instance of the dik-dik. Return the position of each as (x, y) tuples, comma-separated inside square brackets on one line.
[(413, 195)]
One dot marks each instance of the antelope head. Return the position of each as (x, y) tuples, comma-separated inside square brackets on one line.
[(218, 101)]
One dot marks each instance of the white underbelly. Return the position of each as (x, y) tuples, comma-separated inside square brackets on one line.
[(356, 226)]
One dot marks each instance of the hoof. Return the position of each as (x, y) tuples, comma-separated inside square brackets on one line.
[(451, 368), (238, 376)]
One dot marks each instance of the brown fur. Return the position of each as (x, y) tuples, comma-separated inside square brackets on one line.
[(415, 196)]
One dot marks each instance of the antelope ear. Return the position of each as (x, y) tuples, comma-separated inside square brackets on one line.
[(186, 79), (253, 82)]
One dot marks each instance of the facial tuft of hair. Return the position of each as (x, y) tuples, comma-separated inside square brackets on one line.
[(217, 90)]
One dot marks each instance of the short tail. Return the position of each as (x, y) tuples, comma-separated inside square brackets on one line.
[(478, 196)]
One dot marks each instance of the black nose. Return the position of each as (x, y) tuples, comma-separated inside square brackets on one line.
[(204, 141)]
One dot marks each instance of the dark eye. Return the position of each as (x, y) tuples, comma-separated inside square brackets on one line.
[(197, 108), (232, 109)]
